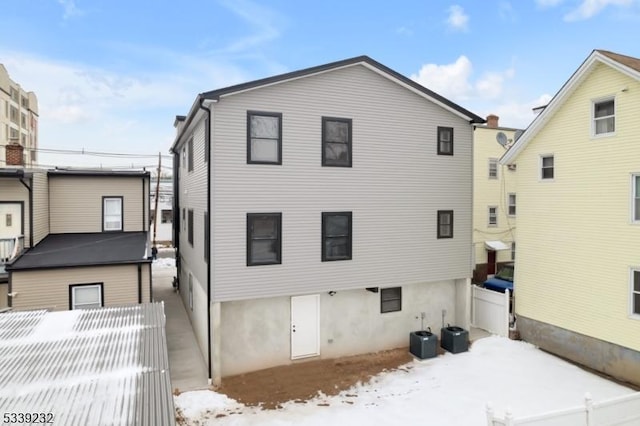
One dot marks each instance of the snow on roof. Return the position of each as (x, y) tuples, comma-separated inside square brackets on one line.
[(91, 366)]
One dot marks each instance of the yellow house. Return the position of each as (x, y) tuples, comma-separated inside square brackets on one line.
[(577, 277), (494, 198)]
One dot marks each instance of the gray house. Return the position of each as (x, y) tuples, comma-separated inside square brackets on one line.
[(321, 213)]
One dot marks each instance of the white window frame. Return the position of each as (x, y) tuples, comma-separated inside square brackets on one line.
[(594, 102), (493, 164), (489, 216), (635, 184), (75, 287), (510, 205), (104, 213), (540, 164), (632, 292)]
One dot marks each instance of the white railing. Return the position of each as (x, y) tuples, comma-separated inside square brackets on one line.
[(619, 411), (490, 310), (10, 248)]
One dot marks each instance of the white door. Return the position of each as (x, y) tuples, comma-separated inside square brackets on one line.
[(10, 220), (305, 326)]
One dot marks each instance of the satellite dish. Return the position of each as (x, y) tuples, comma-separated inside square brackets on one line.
[(502, 139), (517, 135)]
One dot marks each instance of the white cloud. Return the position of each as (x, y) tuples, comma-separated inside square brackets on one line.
[(548, 3), (264, 24), (457, 19), (590, 8), (455, 81), (406, 31), (70, 9), (513, 113)]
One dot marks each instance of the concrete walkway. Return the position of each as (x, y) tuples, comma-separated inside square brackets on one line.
[(187, 365)]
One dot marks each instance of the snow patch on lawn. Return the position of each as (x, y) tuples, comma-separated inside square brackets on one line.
[(164, 263), (447, 390)]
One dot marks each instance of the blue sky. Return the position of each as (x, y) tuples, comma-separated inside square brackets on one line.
[(111, 75)]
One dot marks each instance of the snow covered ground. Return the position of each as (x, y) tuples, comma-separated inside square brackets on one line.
[(164, 263), (447, 390)]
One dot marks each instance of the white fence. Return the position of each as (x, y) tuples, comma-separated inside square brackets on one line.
[(620, 411), (490, 310)]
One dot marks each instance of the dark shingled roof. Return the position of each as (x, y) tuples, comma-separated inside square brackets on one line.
[(64, 250)]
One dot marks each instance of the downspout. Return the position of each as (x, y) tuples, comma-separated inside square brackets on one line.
[(207, 137), (30, 210), (139, 282)]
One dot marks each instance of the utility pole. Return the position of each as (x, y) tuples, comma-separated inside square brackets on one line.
[(154, 249)]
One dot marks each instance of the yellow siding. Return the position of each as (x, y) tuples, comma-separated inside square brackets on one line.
[(576, 239), (76, 202), (491, 192), (50, 288)]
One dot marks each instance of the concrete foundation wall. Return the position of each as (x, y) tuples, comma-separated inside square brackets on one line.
[(255, 334), (614, 360)]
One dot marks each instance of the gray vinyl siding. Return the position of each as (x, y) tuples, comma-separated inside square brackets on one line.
[(193, 196), (394, 189), (40, 207), (76, 202)]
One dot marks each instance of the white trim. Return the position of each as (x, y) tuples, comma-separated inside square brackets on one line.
[(632, 314), (489, 224), (75, 287), (540, 157), (632, 198), (558, 100), (491, 161), (515, 203), (600, 100), (106, 216)]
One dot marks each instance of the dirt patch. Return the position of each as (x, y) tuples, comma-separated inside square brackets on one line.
[(303, 380)]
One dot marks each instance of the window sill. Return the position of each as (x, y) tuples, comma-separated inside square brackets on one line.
[(546, 180), (603, 135), (635, 317)]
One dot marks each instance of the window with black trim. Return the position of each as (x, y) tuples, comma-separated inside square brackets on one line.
[(445, 223), (206, 236), (190, 226), (445, 140), (112, 214), (190, 291), (84, 296), (336, 236), (264, 234), (390, 299), (264, 137), (207, 140), (336, 141), (190, 154)]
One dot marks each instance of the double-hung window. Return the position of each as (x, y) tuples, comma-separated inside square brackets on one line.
[(604, 118), (547, 167), (336, 236), (493, 168), (264, 238), (82, 296), (511, 204), (635, 291), (390, 299), (493, 216), (190, 154), (336, 141), (636, 198), (112, 214), (264, 137), (190, 226), (445, 140), (445, 223)]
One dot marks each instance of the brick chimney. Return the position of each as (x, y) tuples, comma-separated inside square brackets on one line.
[(492, 121), (14, 153)]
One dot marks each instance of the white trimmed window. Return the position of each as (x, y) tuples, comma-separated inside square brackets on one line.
[(493, 168), (635, 201), (604, 118), (112, 213), (547, 171), (513, 251), (512, 204), (493, 216), (635, 292), (85, 296)]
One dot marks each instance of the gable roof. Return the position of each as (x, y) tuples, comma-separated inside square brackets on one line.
[(396, 77), (627, 65)]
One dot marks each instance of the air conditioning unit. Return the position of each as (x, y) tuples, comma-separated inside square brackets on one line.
[(511, 167)]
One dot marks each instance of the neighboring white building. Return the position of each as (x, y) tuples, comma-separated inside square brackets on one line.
[(18, 119), (321, 213), (162, 231)]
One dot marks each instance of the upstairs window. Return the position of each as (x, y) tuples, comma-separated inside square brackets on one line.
[(190, 226), (336, 236), (445, 140), (493, 216), (264, 137), (512, 204), (493, 168), (604, 119), (336, 142), (264, 238), (190, 154), (547, 167), (636, 198), (635, 291), (112, 214), (445, 223)]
